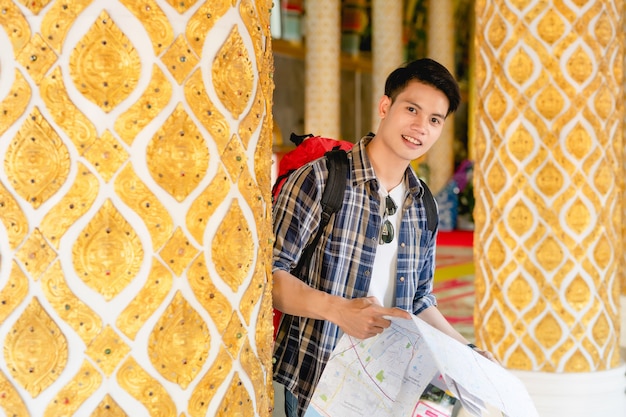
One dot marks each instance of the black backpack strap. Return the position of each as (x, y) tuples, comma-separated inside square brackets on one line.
[(432, 217), (332, 200)]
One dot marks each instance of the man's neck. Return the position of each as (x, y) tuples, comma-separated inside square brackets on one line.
[(388, 168)]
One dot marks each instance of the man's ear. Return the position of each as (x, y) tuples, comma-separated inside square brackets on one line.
[(383, 106)]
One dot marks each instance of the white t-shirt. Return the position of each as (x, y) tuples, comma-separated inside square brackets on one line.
[(382, 283)]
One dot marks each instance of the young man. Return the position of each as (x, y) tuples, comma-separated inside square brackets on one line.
[(378, 257)]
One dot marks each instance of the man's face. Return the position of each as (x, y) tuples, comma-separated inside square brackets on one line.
[(414, 121)]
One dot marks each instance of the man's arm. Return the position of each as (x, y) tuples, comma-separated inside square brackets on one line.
[(359, 317)]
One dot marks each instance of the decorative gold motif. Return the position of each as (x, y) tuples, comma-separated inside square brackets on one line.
[(108, 253), (204, 206), (154, 20), (12, 217), (253, 119), (178, 252), (71, 396), (202, 21), (13, 292), (142, 201), (205, 110), (106, 155), (233, 78), (179, 343), (72, 206), (265, 325), (251, 19), (108, 408), (180, 59), (233, 232), (107, 350), (59, 19), (205, 391), (147, 390), (36, 254), (236, 401), (37, 161), (37, 57), (11, 403), (551, 27), (234, 158), (14, 24), (208, 295), (146, 302), (77, 127), (154, 99), (85, 322), (35, 6), (14, 104), (35, 349), (181, 6), (105, 67), (253, 293), (254, 369), (262, 165), (235, 335), (178, 156), (580, 66)]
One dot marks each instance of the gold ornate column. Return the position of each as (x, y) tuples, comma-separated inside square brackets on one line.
[(322, 68), (387, 47), (441, 48), (549, 164), (135, 143)]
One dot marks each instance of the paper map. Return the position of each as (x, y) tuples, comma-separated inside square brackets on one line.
[(385, 375)]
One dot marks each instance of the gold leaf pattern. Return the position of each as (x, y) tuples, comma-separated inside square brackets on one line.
[(154, 20), (37, 57), (178, 252), (580, 65), (12, 217), (13, 293), (551, 26), (254, 369), (263, 164), (234, 336), (202, 21), (36, 254), (265, 326), (233, 78), (234, 158), (253, 293), (108, 408), (146, 302), (78, 127), (236, 401), (142, 201), (14, 104), (85, 322), (71, 396), (107, 155), (205, 110), (11, 403), (147, 390), (35, 6), (59, 19), (72, 206), (208, 295), (179, 343), (250, 17), (108, 254), (180, 59), (181, 6), (37, 160), (35, 349), (205, 391), (107, 350), (204, 206), (577, 216), (178, 155), (143, 111), (105, 67), (15, 25), (233, 232), (253, 119)]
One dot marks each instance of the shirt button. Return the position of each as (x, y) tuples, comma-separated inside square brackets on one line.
[(402, 244), (274, 360), (367, 273), (401, 279)]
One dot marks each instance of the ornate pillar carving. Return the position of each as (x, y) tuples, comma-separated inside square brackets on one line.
[(441, 48), (135, 142), (549, 163), (387, 47), (323, 68)]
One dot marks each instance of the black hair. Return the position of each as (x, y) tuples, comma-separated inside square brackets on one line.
[(425, 71)]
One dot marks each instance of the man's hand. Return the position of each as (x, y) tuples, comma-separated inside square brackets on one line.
[(364, 317)]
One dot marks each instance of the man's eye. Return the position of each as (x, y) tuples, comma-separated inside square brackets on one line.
[(434, 120), (411, 109)]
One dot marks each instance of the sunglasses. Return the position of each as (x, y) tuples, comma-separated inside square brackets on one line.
[(386, 232)]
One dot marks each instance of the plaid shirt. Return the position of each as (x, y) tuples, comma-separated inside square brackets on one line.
[(343, 265)]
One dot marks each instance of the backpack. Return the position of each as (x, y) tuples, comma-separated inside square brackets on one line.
[(309, 148)]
